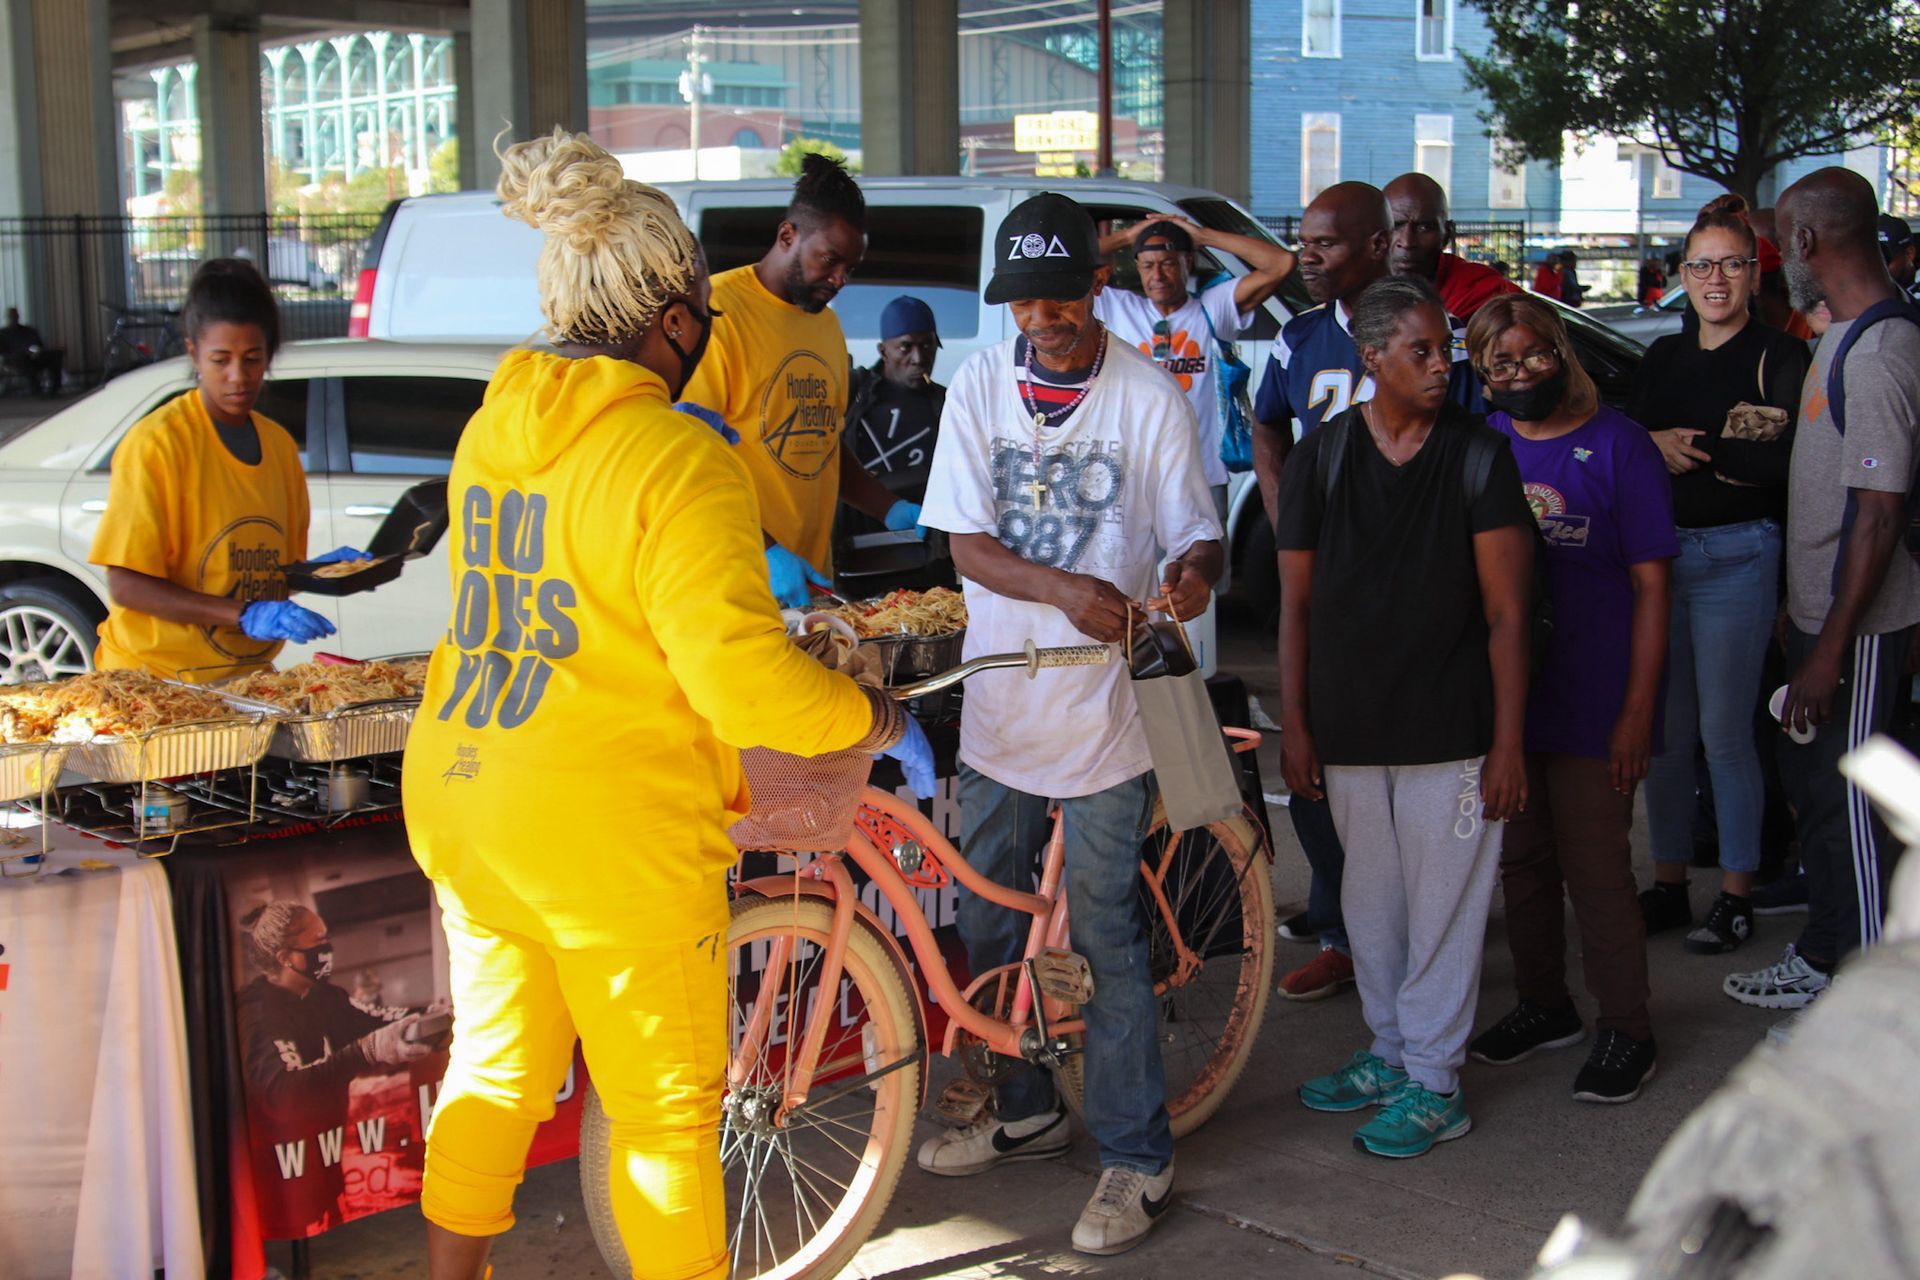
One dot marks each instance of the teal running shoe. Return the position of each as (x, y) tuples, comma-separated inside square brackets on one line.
[(1366, 1081), (1413, 1121)]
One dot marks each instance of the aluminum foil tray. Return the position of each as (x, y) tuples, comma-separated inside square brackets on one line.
[(175, 750), (369, 729), (29, 769)]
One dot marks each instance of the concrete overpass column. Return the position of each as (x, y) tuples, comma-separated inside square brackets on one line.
[(233, 165), (910, 86), (1208, 79), (56, 107), (526, 73)]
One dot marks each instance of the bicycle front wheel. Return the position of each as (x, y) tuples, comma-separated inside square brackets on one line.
[(1218, 901), (803, 1193)]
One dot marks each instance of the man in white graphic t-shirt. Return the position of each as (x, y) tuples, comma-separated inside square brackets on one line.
[(1068, 468), (1177, 327)]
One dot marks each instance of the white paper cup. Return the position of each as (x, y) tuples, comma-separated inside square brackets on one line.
[(1776, 706)]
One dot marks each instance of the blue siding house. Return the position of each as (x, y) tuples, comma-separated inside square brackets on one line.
[(1369, 89)]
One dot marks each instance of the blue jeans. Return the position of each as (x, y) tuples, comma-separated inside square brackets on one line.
[(1726, 590), (1003, 834), (1320, 841)]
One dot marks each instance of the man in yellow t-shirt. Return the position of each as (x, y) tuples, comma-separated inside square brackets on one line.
[(776, 373)]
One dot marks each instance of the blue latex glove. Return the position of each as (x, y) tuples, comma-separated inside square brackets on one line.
[(339, 554), (904, 515), (789, 575), (709, 416), (915, 755), (283, 620)]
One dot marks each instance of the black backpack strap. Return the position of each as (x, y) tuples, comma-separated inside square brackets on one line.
[(1483, 447), (1902, 308), (1333, 452)]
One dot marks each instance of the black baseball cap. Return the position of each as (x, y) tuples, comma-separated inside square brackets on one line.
[(1895, 235), (1163, 236), (1047, 248)]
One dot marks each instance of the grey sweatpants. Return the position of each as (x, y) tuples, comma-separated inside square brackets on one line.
[(1421, 863)]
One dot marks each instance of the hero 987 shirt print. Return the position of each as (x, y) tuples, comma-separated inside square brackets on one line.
[(1115, 488)]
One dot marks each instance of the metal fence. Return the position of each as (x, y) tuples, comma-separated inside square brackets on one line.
[(67, 275)]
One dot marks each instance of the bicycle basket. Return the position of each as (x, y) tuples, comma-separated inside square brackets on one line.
[(801, 804)]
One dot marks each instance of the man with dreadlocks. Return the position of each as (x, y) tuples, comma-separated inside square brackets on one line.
[(611, 633), (777, 374)]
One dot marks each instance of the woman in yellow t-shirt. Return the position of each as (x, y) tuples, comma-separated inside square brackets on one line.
[(569, 783), (208, 502)]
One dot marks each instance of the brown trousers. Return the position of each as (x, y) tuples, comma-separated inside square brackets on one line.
[(1574, 833)]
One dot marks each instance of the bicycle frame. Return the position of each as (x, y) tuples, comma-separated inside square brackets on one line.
[(1048, 907)]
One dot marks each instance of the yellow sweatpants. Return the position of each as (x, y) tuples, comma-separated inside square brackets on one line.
[(653, 1023)]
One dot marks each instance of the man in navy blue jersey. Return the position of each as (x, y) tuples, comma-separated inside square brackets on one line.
[(1315, 374)]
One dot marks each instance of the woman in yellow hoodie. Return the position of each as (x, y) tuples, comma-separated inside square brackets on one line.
[(569, 782)]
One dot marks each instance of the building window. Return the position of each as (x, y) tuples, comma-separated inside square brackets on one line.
[(1666, 179), (1319, 153), (1506, 186), (1433, 148), (1433, 23), (1320, 28)]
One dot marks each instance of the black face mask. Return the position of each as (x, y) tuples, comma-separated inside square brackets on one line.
[(1533, 404), (690, 360), (319, 960)]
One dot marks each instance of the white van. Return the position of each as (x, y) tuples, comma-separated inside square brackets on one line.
[(453, 268)]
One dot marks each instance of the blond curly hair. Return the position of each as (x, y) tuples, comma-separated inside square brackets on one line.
[(616, 252)]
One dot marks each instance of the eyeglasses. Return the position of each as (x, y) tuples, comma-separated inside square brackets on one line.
[(1731, 268), (1507, 370), (1162, 340)]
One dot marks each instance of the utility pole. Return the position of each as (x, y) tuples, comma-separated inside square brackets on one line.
[(1103, 162), (693, 87)]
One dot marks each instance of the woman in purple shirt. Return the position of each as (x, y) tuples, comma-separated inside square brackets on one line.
[(1599, 490)]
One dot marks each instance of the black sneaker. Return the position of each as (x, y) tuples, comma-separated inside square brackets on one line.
[(1526, 1031), (1665, 907), (1616, 1069), (1783, 897), (1729, 923), (1299, 928)]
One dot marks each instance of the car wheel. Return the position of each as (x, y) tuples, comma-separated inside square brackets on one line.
[(46, 632)]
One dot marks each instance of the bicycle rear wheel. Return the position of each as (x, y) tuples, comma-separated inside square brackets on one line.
[(1216, 885), (803, 1195)]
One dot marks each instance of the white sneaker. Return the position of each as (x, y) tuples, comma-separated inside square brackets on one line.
[(1790, 984), (1124, 1208), (988, 1142)]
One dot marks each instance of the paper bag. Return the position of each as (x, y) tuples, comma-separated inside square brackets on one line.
[(1191, 762)]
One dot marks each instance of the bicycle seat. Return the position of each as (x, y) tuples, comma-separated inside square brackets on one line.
[(1159, 649)]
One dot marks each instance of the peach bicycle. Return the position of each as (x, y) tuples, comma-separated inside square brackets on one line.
[(829, 1041)]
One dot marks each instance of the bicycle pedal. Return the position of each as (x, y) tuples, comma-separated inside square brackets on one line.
[(1064, 975), (962, 1102)]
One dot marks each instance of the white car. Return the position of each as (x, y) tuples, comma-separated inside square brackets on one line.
[(371, 418)]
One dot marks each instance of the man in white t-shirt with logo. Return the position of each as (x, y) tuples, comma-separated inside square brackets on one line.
[(1177, 327), (1068, 468)]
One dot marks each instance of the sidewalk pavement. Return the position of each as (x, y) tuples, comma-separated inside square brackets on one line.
[(1268, 1188)]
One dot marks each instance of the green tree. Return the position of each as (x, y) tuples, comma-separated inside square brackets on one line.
[(371, 190), (1726, 91), (795, 152), (443, 167)]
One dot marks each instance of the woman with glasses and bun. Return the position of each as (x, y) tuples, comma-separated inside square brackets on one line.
[(1720, 401), (1600, 496)]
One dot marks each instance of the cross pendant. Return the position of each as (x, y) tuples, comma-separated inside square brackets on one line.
[(1039, 489)]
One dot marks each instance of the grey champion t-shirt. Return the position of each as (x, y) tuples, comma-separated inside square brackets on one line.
[(1880, 451)]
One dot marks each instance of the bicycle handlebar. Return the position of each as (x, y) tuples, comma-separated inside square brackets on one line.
[(1033, 659)]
